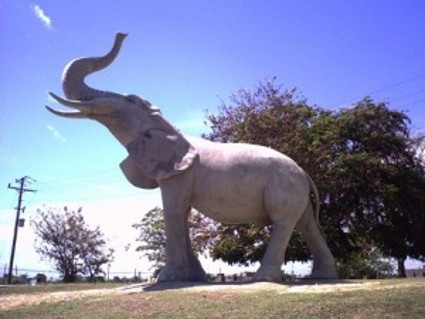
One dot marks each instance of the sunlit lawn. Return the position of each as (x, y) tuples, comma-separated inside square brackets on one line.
[(28, 289), (383, 299)]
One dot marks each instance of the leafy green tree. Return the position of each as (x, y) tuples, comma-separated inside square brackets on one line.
[(64, 238), (152, 236), (369, 264), (373, 181), (202, 232), (363, 159), (241, 244)]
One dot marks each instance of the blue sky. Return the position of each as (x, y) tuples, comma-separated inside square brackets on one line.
[(185, 57)]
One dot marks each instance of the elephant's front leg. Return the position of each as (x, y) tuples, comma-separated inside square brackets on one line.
[(181, 263)]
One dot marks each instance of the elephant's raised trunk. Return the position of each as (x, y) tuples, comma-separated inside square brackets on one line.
[(74, 73)]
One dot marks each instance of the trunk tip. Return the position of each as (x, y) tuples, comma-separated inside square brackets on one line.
[(121, 35)]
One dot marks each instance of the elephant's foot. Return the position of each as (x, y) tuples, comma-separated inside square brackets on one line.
[(327, 272), (181, 274), (267, 273)]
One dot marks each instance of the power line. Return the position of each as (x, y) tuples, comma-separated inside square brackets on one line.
[(85, 192), (405, 96), (7, 221), (21, 189), (384, 88), (78, 177), (71, 185), (394, 85), (416, 102)]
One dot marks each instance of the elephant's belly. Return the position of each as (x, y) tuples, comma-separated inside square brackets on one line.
[(229, 184), (232, 207)]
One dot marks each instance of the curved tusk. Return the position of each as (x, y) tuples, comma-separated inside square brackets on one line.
[(70, 103), (70, 115), (96, 106), (86, 107)]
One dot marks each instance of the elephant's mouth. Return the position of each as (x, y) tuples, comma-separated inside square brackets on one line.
[(82, 109), (79, 111)]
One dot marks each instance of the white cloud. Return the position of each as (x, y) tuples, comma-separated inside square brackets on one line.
[(56, 133), (45, 19)]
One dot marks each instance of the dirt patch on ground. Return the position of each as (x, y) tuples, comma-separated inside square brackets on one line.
[(296, 287), (14, 300), (249, 287)]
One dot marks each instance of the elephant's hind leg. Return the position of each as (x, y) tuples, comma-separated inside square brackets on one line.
[(271, 263), (323, 261), (284, 211)]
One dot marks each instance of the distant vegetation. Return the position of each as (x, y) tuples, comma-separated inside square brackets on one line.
[(64, 238)]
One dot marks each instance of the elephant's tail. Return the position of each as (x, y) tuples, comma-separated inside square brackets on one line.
[(315, 197)]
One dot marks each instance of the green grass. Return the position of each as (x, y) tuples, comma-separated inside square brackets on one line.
[(27, 289), (386, 299)]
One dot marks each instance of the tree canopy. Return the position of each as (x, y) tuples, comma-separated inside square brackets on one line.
[(364, 160), (64, 238)]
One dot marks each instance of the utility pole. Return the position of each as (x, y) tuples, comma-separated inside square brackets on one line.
[(21, 189)]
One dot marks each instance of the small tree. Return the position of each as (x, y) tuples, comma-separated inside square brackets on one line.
[(64, 238), (152, 237), (202, 232)]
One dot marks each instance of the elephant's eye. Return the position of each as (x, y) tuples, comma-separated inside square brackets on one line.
[(147, 134)]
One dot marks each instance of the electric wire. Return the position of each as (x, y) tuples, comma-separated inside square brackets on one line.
[(416, 102), (381, 89), (81, 176), (89, 187), (8, 223), (405, 96)]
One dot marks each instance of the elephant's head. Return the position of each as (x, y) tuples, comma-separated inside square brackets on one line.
[(156, 149)]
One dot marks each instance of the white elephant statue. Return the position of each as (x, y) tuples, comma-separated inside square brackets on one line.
[(232, 183)]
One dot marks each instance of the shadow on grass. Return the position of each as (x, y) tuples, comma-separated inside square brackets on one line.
[(162, 286)]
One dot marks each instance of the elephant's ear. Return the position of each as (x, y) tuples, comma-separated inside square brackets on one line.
[(136, 176), (161, 151)]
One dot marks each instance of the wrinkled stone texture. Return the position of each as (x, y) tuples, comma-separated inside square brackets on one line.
[(232, 183)]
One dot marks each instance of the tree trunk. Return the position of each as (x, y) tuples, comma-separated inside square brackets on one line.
[(401, 269), (69, 276)]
